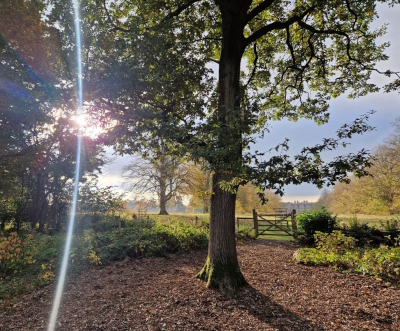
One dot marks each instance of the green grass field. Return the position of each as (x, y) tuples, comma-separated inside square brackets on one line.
[(372, 220)]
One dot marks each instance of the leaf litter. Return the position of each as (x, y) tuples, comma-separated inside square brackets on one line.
[(162, 294)]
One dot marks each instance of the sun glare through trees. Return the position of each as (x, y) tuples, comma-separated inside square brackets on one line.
[(145, 158)]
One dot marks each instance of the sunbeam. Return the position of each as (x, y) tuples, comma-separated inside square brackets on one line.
[(63, 271)]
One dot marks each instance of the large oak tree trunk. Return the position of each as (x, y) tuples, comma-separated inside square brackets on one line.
[(222, 268)]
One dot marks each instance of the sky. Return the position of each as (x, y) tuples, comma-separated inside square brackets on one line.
[(308, 133)]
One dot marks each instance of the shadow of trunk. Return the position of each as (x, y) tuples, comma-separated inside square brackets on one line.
[(266, 310)]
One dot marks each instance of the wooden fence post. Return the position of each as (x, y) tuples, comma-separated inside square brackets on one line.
[(237, 222), (294, 225), (255, 220)]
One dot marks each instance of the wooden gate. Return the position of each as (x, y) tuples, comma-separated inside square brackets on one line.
[(281, 221)]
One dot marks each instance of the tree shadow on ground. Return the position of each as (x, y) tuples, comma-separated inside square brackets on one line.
[(267, 311)]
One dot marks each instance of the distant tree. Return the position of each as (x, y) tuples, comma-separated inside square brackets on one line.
[(324, 200), (248, 198), (201, 187), (378, 194), (95, 200), (159, 174)]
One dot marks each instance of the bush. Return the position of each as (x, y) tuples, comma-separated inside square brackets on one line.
[(146, 238), (393, 228), (363, 232), (309, 222), (338, 251), (28, 260), (370, 235), (245, 233)]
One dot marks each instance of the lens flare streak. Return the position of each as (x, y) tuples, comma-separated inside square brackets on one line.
[(63, 271)]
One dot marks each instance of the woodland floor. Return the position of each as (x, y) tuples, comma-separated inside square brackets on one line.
[(162, 294)]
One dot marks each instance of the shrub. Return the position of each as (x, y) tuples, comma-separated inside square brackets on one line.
[(370, 235), (16, 253), (363, 232), (310, 222), (382, 263), (245, 233), (335, 242), (338, 251), (393, 228), (148, 238)]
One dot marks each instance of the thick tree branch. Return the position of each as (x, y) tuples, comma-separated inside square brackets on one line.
[(277, 26), (310, 28), (260, 8), (254, 65), (179, 10), (212, 60), (353, 13), (290, 46)]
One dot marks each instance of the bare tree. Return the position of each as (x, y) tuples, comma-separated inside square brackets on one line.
[(164, 176)]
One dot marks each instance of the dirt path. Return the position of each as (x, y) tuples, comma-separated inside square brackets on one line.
[(162, 294)]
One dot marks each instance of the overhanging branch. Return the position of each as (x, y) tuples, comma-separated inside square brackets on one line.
[(260, 8), (254, 65), (277, 26), (179, 10)]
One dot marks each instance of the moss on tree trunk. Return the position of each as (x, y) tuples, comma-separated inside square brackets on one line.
[(225, 277)]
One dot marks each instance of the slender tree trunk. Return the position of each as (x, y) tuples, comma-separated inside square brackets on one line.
[(163, 191), (221, 269), (163, 202), (42, 217), (163, 181), (55, 215), (37, 201)]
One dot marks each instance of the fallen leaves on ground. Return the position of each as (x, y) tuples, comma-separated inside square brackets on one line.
[(163, 294)]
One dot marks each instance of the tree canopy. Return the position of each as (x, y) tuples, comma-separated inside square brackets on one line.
[(147, 72), (38, 135)]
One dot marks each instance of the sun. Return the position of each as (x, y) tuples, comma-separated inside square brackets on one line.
[(87, 126), (81, 121)]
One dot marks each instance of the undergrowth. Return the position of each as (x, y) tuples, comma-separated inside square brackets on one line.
[(245, 233), (29, 260), (340, 252)]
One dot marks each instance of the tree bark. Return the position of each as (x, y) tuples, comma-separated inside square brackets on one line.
[(42, 217), (163, 209), (163, 180), (221, 269)]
